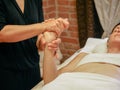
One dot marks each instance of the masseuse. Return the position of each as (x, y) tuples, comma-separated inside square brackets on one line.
[(21, 23)]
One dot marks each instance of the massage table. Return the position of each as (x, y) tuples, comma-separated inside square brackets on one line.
[(85, 81)]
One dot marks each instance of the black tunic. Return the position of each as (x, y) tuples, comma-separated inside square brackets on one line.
[(19, 62)]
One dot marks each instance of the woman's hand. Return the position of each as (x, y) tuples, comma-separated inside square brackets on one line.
[(54, 47), (52, 25), (50, 39), (51, 50), (56, 25)]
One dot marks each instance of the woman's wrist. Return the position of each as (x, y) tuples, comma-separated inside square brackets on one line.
[(40, 28)]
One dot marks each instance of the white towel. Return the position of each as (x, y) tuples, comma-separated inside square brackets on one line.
[(101, 57)]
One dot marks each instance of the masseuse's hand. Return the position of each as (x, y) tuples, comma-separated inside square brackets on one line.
[(61, 25), (52, 25), (56, 25), (49, 39)]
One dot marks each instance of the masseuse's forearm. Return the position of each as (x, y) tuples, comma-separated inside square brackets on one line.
[(15, 33)]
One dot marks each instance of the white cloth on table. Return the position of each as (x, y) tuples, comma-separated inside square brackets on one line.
[(101, 57), (83, 81)]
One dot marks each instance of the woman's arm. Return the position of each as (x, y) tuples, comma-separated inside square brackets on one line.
[(50, 71), (49, 65), (15, 33)]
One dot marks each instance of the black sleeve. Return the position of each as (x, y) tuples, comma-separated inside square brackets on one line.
[(2, 15)]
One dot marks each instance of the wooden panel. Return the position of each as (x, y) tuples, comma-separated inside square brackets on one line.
[(88, 21)]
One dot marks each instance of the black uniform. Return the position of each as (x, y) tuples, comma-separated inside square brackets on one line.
[(19, 62)]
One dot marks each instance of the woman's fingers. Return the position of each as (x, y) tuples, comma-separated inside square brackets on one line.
[(38, 41), (56, 25), (41, 42), (64, 23), (54, 44)]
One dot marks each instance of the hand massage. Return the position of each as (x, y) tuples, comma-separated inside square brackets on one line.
[(24, 32), (95, 69)]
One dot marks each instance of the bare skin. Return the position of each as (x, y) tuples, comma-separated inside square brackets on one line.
[(21, 4), (15, 33), (114, 41), (51, 72), (62, 25)]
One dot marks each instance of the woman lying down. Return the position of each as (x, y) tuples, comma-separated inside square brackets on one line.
[(89, 71)]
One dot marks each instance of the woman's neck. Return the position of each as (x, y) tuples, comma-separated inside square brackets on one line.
[(114, 50)]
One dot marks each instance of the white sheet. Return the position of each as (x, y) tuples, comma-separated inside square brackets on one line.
[(83, 81)]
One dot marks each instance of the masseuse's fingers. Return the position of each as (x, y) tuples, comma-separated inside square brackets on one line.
[(56, 25), (48, 20), (40, 42), (64, 22), (52, 26), (47, 37)]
